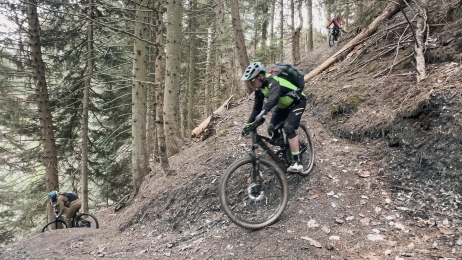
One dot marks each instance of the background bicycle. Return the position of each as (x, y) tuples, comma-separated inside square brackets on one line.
[(334, 34), (253, 191), (80, 220)]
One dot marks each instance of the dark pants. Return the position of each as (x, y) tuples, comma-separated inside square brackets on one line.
[(292, 116)]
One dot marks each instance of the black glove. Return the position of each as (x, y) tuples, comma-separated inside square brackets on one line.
[(260, 117), (246, 129)]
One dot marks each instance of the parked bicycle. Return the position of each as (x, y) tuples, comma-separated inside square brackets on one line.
[(253, 190), (334, 34), (80, 220)]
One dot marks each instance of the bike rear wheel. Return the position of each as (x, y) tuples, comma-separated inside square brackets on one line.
[(86, 220), (55, 224), (236, 199), (306, 149)]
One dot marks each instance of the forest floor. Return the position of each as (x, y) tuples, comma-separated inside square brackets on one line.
[(385, 185)]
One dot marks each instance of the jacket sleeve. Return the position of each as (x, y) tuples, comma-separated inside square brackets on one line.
[(274, 95), (257, 105)]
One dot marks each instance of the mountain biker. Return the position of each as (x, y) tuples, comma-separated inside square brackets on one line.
[(62, 203), (289, 106), (337, 22)]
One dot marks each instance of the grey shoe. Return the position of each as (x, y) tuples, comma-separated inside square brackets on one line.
[(295, 167)]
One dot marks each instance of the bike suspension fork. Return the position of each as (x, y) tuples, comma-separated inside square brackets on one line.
[(256, 178)]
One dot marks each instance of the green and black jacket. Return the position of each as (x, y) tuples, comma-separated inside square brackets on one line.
[(275, 90)]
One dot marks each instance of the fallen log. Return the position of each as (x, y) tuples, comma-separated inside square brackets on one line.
[(391, 9), (202, 126)]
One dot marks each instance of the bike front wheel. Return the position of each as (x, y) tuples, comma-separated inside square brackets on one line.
[(53, 225), (331, 39), (86, 220), (241, 205)]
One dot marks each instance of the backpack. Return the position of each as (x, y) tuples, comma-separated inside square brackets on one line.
[(71, 196), (288, 72)]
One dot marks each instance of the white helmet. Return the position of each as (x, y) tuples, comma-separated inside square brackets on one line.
[(253, 70)]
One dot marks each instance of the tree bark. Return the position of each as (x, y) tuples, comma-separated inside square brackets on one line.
[(239, 37), (159, 78), (208, 73), (309, 32), (419, 45), (391, 9), (172, 76), (273, 7), (43, 103), (192, 81), (139, 152), (296, 31), (221, 75), (281, 28), (85, 101)]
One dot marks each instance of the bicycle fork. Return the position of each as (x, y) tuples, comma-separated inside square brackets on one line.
[(255, 189)]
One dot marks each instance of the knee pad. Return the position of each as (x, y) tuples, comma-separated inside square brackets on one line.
[(289, 130)]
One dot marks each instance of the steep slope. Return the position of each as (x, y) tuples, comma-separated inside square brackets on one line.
[(386, 184)]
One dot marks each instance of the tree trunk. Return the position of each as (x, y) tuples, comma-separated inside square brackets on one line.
[(139, 152), (192, 82), (44, 111), (309, 32), (296, 32), (85, 102), (151, 143), (172, 76), (281, 29), (221, 75), (264, 26), (239, 37), (419, 45), (391, 9), (159, 78), (273, 7), (359, 7), (208, 74)]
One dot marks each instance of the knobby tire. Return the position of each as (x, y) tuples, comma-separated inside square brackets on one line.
[(83, 217), (56, 223), (235, 200), (331, 39), (307, 153)]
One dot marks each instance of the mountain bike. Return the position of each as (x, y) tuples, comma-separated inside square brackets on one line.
[(80, 220), (333, 35), (253, 190)]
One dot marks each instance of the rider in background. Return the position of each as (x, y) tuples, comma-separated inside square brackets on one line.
[(336, 22), (62, 203), (288, 108)]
